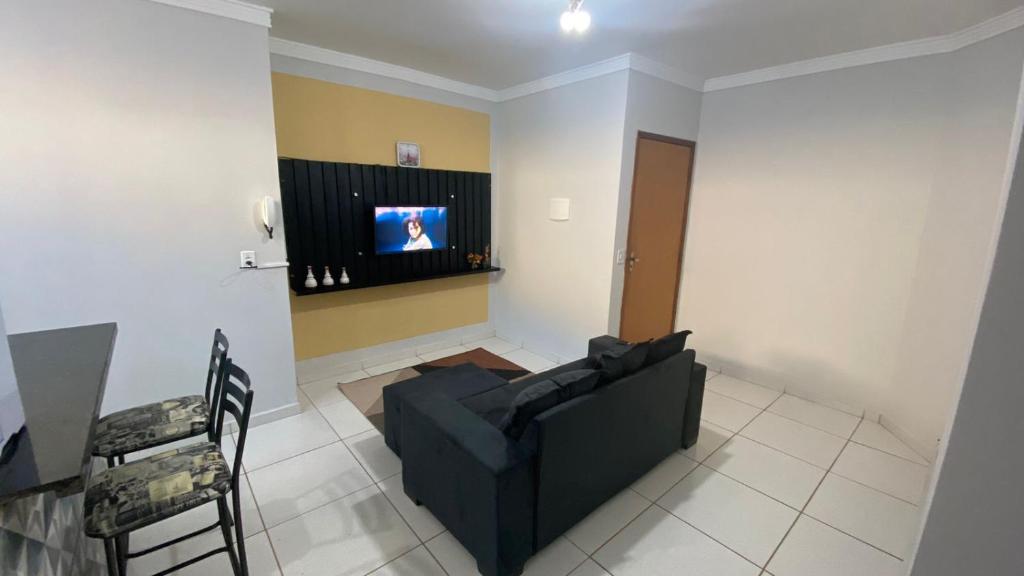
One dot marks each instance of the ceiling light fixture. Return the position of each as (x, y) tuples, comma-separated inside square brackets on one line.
[(575, 19)]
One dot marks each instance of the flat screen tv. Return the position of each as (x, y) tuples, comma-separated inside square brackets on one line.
[(399, 229)]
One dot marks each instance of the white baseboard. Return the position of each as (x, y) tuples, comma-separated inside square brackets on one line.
[(314, 369), (924, 449), (267, 416), (777, 382)]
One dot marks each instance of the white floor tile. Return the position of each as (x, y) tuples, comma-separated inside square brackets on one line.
[(532, 362), (443, 353), (374, 455), (783, 477), (743, 519), (726, 412), (258, 552), (419, 562), (665, 475), (558, 559), (659, 544), (589, 568), (796, 439), (601, 524), (285, 438), (876, 436), (743, 391), (821, 417), (814, 549), (494, 345), (419, 518), (874, 517), (710, 439), (354, 535), (392, 366), (345, 418), (890, 474), (290, 488), (325, 392)]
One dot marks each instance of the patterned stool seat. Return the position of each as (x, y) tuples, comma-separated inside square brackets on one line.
[(139, 493), (151, 425)]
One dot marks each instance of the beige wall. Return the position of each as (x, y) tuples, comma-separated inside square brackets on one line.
[(318, 120)]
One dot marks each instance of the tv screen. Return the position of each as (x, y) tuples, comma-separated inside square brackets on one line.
[(410, 228)]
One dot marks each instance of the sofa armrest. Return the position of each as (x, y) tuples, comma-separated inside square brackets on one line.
[(604, 344), (478, 482), (694, 404)]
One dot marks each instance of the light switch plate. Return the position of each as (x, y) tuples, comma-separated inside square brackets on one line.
[(558, 209), (247, 259)]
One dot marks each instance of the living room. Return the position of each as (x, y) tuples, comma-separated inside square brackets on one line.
[(804, 212)]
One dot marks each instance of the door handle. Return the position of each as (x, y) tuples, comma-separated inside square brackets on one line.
[(633, 259)]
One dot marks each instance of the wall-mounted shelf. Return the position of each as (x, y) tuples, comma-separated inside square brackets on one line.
[(328, 210), (353, 286)]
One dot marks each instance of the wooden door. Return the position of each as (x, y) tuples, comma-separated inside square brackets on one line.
[(657, 228)]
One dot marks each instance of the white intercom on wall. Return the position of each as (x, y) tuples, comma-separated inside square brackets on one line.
[(268, 211)]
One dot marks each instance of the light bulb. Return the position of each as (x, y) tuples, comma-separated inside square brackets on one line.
[(568, 21), (582, 21)]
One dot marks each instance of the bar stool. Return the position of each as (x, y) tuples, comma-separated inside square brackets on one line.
[(126, 498), (160, 423)]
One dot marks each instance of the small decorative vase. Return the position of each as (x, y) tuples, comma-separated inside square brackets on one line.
[(328, 279), (310, 279), (344, 276)]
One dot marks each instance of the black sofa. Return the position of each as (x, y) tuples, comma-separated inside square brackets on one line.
[(505, 498)]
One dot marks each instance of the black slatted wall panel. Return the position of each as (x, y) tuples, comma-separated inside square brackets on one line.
[(328, 220)]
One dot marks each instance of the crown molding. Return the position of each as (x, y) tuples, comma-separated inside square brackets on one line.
[(665, 72), (629, 61), (352, 62), (903, 50), (234, 9), (580, 74), (358, 63)]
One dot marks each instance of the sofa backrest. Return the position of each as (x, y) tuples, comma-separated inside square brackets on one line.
[(592, 447)]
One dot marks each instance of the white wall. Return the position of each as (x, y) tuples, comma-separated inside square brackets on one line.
[(973, 523), (565, 142), (949, 282), (812, 200), (137, 139), (12, 415), (660, 107)]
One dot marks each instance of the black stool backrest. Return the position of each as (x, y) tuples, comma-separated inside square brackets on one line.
[(218, 354), (235, 392)]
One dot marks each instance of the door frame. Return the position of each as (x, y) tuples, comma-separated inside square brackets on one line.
[(686, 218)]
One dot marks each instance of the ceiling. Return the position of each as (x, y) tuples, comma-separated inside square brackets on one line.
[(501, 43)]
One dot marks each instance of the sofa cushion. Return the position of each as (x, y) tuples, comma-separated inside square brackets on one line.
[(619, 363), (492, 405), (539, 397), (576, 382), (666, 346)]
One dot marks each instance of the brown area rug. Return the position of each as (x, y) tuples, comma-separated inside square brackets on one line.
[(368, 394)]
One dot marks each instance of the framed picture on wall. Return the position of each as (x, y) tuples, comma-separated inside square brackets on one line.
[(408, 155)]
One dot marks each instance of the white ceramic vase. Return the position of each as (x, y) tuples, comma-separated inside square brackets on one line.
[(328, 279), (344, 276), (310, 279)]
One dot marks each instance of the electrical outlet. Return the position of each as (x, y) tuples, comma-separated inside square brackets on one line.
[(620, 256), (247, 259)]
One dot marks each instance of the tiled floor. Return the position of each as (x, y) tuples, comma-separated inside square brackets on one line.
[(775, 486)]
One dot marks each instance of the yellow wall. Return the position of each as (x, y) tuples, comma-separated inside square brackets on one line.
[(318, 120)]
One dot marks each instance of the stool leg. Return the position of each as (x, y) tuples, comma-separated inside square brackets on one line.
[(121, 546), (112, 559), (225, 528), (238, 531)]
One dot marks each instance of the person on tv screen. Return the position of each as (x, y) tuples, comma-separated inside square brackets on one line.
[(418, 240)]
